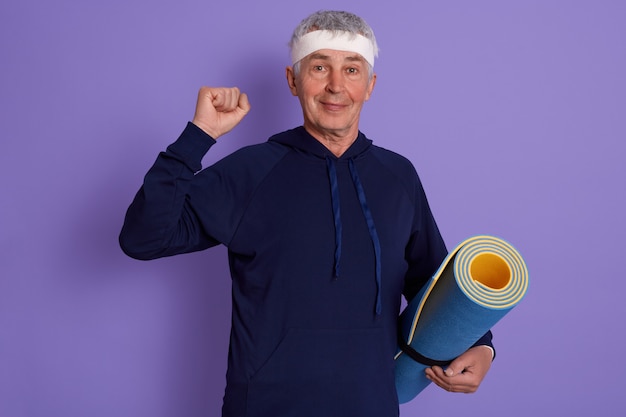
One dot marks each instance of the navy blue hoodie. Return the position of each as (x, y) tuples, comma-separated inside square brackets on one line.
[(320, 251)]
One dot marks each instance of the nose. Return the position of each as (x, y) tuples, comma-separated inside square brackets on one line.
[(335, 82)]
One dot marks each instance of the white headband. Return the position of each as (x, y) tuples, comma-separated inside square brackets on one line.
[(328, 39)]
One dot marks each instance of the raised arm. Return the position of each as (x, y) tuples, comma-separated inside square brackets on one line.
[(162, 219)]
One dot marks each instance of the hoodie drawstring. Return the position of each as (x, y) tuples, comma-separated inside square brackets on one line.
[(334, 188), (372, 229), (334, 193)]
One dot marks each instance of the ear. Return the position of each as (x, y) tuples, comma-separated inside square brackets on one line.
[(291, 80), (370, 87)]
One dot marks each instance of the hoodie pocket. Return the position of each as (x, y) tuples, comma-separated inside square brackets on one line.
[(327, 372)]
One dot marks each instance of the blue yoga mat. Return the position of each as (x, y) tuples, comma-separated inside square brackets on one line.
[(480, 281)]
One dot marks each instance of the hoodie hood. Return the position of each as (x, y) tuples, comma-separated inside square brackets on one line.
[(300, 140), (303, 141)]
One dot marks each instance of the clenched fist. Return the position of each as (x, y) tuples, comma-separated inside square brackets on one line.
[(218, 110)]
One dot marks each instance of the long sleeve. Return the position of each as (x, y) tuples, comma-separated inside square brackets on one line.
[(426, 249), (425, 253), (161, 220)]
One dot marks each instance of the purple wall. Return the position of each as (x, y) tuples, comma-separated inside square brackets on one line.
[(514, 113)]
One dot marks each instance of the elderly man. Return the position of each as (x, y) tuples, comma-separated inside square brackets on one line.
[(325, 232)]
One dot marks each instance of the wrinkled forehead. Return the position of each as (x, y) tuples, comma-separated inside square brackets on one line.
[(339, 41)]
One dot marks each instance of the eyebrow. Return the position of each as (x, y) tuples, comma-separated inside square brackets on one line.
[(353, 58)]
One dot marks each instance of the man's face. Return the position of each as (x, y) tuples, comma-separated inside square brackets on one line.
[(332, 87)]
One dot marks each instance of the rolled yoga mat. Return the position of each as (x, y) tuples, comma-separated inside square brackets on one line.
[(480, 281)]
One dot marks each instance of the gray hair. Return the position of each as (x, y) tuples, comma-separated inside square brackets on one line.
[(337, 21)]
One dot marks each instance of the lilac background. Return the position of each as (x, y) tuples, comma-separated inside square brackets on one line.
[(513, 112)]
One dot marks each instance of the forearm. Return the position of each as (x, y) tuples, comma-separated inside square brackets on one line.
[(159, 222)]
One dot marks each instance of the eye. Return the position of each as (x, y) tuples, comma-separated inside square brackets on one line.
[(353, 70), (318, 67)]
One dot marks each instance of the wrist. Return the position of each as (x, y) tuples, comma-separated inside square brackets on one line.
[(206, 129), (492, 351)]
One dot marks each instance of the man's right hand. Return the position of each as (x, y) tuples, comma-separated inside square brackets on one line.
[(218, 110)]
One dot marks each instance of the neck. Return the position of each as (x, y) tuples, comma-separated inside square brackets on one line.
[(336, 142)]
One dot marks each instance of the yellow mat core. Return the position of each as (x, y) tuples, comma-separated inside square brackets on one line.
[(490, 270)]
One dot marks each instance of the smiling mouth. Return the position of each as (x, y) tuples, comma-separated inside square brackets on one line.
[(333, 106)]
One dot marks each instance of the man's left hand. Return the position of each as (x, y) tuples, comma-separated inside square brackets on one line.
[(465, 373)]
